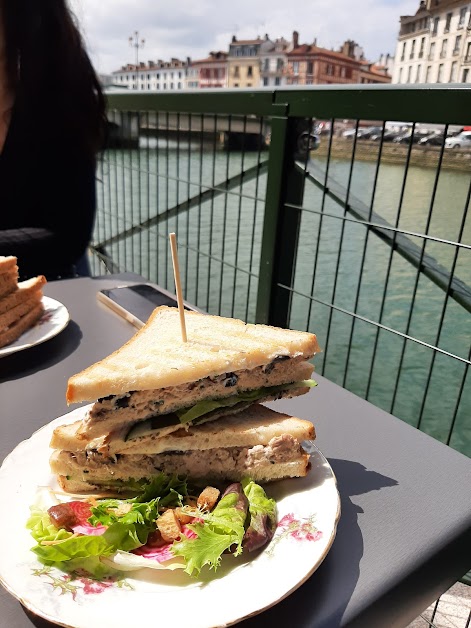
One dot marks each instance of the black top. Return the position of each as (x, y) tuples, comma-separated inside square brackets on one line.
[(47, 197)]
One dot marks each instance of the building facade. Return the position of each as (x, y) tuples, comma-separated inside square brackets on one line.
[(210, 72), (259, 62), (434, 45), (309, 64), (373, 73), (273, 62), (153, 75), (243, 62)]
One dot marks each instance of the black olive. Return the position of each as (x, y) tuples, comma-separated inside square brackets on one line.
[(108, 398), (231, 380), (122, 402), (281, 358)]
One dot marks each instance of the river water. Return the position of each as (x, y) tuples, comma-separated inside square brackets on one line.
[(137, 184)]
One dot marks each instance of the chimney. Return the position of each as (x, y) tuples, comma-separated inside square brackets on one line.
[(266, 36), (295, 39), (188, 61), (234, 39), (348, 48)]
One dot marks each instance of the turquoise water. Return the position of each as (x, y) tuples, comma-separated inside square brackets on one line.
[(137, 184)]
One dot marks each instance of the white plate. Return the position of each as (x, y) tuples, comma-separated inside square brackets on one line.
[(54, 319), (308, 510)]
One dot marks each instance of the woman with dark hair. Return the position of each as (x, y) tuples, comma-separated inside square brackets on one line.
[(52, 127)]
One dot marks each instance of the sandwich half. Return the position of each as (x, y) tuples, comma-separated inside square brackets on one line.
[(257, 442), (163, 383), (20, 302)]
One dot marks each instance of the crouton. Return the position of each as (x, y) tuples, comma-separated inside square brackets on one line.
[(169, 526), (208, 498), (182, 516)]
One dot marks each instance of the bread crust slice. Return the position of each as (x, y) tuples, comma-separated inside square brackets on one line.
[(259, 443), (114, 413), (8, 281), (156, 356), (255, 425), (24, 291), (13, 314), (262, 474), (21, 325), (8, 263)]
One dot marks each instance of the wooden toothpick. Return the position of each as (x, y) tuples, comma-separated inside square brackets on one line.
[(178, 285)]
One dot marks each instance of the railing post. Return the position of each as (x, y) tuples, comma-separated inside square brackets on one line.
[(285, 184)]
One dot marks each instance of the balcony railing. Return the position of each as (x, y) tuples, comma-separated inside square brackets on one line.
[(335, 240)]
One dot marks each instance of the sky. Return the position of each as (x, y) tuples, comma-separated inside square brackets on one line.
[(191, 28)]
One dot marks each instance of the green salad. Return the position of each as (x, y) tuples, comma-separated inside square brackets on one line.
[(166, 524)]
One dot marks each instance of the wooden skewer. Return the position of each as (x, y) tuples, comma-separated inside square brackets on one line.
[(178, 285)]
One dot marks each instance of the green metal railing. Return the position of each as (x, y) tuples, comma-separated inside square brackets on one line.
[(366, 243)]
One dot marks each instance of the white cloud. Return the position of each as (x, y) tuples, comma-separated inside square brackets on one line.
[(188, 28)]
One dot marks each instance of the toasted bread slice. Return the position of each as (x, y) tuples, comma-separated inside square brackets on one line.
[(8, 263), (8, 281), (239, 388), (23, 292), (255, 425), (13, 314), (156, 356), (262, 474), (21, 325), (260, 463)]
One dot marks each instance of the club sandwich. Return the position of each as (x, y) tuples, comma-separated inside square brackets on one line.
[(158, 404)]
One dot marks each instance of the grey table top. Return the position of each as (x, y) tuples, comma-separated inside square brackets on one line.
[(404, 535)]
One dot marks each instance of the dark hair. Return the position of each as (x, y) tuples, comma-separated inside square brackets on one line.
[(50, 73)]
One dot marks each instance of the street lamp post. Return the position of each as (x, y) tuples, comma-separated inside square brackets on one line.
[(136, 43)]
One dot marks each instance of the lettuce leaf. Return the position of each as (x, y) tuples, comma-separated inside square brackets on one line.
[(220, 530), (129, 523), (262, 516), (204, 407), (161, 491)]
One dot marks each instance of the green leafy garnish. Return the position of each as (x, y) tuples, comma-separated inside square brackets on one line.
[(221, 529), (204, 407), (129, 523)]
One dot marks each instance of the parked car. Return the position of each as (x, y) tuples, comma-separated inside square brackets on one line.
[(462, 140), (389, 136), (370, 131), (436, 139), (363, 133), (406, 138), (350, 133)]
